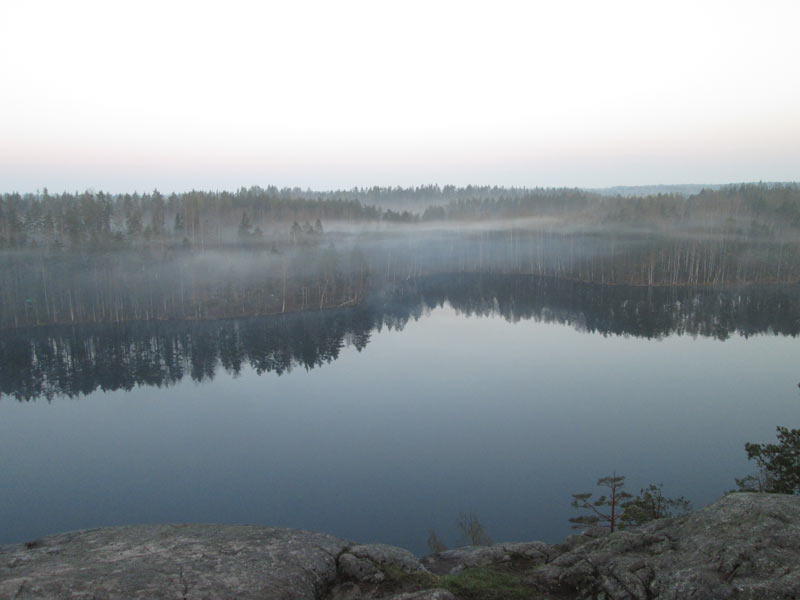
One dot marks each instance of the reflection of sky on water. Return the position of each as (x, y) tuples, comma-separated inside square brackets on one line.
[(452, 414)]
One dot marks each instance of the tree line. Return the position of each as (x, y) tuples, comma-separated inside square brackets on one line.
[(207, 219)]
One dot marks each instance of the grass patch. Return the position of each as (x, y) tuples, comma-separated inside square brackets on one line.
[(485, 583)]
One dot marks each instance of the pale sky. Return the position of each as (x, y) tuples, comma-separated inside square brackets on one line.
[(125, 96)]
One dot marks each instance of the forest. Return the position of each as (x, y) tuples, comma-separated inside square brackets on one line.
[(99, 220), (97, 257)]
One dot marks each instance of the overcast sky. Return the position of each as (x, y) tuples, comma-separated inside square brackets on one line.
[(126, 96)]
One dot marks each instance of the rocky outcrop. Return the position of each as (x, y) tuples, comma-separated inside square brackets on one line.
[(744, 546), (173, 561)]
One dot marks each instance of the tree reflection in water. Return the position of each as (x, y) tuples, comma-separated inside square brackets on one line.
[(46, 362)]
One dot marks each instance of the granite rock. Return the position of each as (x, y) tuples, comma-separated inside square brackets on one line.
[(744, 546), (173, 562)]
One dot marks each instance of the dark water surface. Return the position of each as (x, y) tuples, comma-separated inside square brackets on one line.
[(495, 396)]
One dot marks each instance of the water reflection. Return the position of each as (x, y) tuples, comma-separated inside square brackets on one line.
[(77, 360)]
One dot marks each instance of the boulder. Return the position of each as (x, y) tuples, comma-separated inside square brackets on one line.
[(381, 571), (367, 559)]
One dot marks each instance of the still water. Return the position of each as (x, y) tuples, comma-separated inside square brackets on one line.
[(384, 427)]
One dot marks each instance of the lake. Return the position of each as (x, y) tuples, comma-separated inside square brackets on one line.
[(499, 396)]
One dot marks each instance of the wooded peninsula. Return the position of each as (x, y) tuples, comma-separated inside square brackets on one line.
[(99, 257)]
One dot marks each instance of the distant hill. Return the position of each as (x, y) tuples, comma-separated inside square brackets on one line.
[(686, 189)]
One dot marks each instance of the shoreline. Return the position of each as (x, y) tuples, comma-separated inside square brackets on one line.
[(744, 544)]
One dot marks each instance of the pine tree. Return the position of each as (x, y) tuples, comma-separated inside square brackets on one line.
[(778, 465), (611, 504), (245, 226), (651, 504)]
